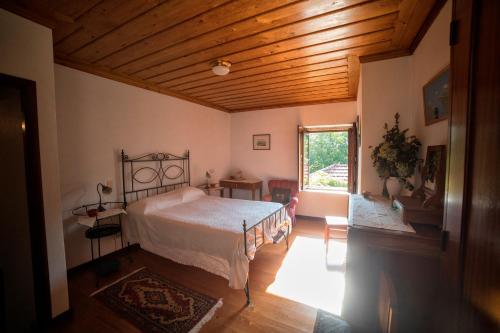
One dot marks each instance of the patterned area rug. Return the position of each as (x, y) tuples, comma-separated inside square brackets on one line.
[(155, 304), (327, 322)]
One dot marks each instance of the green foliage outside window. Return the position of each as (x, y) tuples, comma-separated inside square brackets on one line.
[(321, 150), (325, 149)]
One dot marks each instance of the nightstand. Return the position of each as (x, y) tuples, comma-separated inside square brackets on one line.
[(99, 226)]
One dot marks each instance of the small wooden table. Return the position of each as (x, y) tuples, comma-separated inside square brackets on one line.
[(244, 184)]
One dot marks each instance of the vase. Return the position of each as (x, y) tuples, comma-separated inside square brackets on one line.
[(393, 186)]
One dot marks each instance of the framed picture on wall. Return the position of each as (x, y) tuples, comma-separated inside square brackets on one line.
[(262, 142), (437, 97)]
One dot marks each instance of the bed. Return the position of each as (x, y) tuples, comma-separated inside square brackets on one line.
[(168, 217)]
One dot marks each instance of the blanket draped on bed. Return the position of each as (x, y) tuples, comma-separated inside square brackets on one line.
[(206, 232)]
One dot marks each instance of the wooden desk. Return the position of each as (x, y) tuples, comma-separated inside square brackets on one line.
[(391, 276), (245, 184)]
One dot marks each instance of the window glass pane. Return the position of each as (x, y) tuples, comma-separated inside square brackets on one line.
[(326, 160)]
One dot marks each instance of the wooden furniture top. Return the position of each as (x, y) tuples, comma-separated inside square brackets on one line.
[(283, 52), (376, 212), (242, 183), (425, 241), (208, 188)]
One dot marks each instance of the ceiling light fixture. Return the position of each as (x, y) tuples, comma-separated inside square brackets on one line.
[(221, 67)]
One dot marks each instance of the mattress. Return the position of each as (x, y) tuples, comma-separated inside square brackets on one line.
[(195, 229)]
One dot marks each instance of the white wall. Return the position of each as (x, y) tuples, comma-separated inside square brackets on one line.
[(430, 57), (395, 85), (98, 117), (26, 52), (359, 113), (281, 161), (385, 91)]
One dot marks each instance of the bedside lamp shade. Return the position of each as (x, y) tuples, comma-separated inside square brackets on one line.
[(106, 190)]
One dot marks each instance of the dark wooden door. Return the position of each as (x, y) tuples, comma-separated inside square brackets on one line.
[(24, 288), (481, 280), (471, 261)]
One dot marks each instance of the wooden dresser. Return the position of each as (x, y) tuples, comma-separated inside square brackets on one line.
[(391, 271), (244, 184)]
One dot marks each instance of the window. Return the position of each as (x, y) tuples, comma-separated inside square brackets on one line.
[(327, 158)]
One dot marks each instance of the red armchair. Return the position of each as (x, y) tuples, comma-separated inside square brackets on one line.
[(293, 185)]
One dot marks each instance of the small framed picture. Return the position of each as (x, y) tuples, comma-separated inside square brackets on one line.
[(437, 97), (262, 142)]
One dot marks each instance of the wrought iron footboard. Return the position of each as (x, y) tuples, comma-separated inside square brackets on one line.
[(276, 213)]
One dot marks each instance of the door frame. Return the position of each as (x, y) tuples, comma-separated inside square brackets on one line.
[(38, 240)]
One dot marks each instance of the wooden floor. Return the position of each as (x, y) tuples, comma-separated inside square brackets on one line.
[(268, 313)]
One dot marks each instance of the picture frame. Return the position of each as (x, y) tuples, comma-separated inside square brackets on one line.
[(436, 96), (262, 142), (435, 168)]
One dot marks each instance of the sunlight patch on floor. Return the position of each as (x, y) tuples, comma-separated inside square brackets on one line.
[(304, 277)]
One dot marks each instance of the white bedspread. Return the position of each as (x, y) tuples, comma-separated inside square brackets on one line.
[(206, 232)]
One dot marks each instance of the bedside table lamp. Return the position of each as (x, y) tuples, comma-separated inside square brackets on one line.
[(106, 190)]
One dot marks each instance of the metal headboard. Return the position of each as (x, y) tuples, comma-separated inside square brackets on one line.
[(159, 167)]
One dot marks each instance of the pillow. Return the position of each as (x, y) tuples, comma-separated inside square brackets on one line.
[(191, 193), (157, 202)]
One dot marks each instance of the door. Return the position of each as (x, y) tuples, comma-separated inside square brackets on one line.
[(471, 264), (25, 303)]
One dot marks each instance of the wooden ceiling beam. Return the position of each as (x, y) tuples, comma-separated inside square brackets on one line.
[(257, 31), (301, 92), (295, 104), (305, 56), (181, 57), (51, 14), (281, 50), (298, 99), (411, 16), (280, 85), (101, 19), (434, 12), (353, 70), (337, 66), (338, 82), (390, 54), (216, 19), (158, 18), (322, 72)]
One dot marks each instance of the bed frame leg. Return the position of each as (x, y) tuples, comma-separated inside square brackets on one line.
[(247, 293), (247, 287), (287, 235)]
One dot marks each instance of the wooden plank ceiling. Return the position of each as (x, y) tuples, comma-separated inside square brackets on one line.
[(283, 52)]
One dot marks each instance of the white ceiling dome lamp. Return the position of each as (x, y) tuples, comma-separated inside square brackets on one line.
[(221, 67)]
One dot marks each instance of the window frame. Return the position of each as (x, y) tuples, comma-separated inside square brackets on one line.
[(352, 154)]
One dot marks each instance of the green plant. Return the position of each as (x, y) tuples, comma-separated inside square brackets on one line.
[(326, 148), (397, 155)]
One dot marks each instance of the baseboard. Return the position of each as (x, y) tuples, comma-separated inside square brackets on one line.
[(76, 269)]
